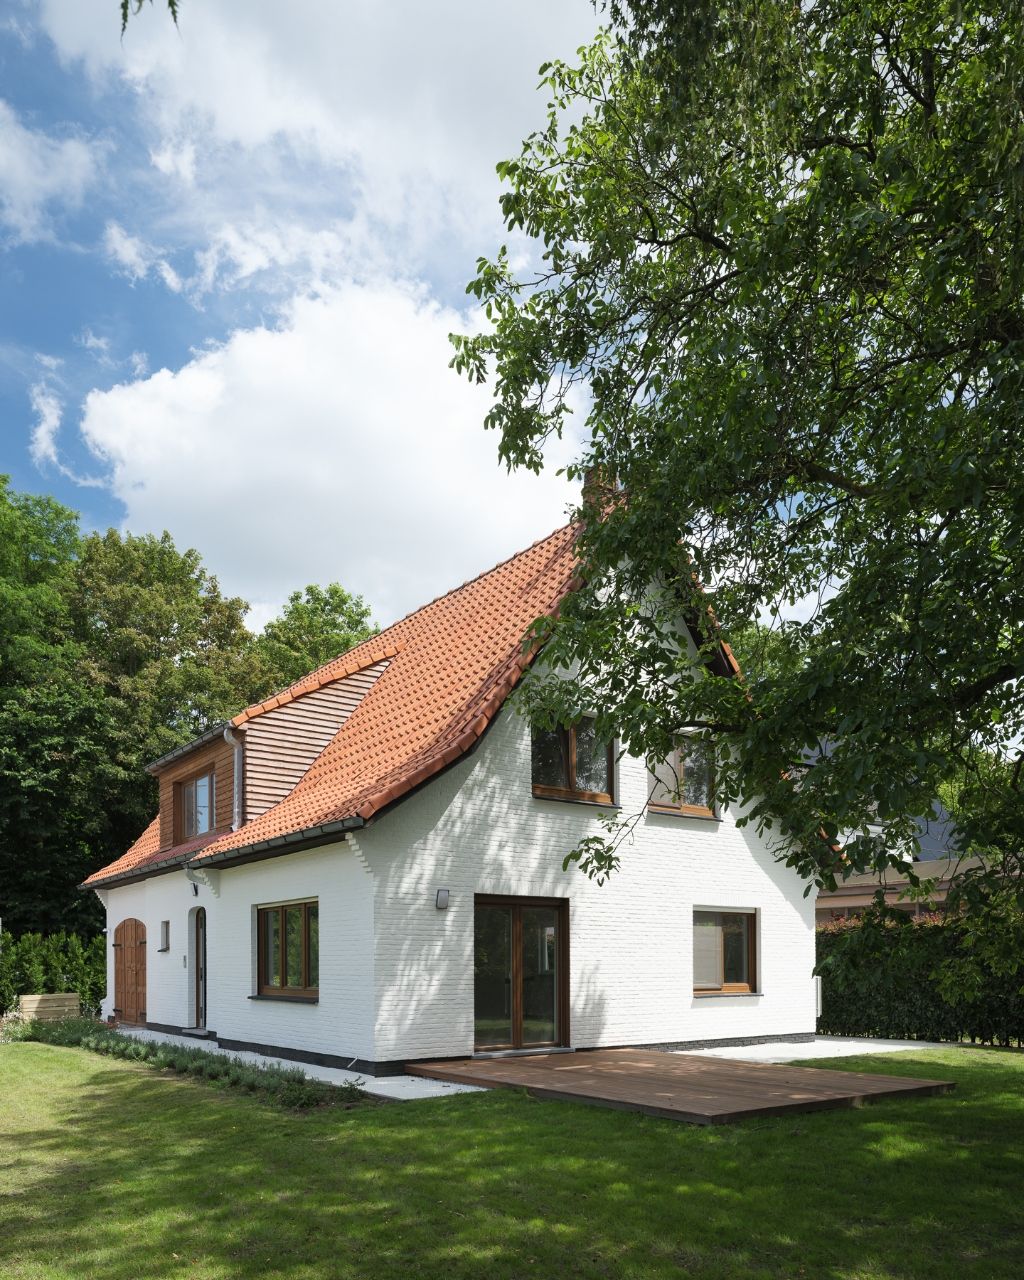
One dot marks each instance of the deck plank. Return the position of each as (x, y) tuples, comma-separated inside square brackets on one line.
[(680, 1086)]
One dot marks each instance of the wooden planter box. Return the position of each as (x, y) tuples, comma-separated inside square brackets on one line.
[(51, 1008)]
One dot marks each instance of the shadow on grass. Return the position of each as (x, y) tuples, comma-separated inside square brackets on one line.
[(115, 1172)]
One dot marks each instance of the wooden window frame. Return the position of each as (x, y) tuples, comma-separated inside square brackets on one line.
[(734, 988), (180, 815), (544, 792), (678, 764), (304, 992)]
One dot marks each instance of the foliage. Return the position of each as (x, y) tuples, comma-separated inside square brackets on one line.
[(133, 7), (115, 649), (779, 266), (285, 1086), (53, 724), (316, 625), (35, 964), (921, 978), (502, 1185)]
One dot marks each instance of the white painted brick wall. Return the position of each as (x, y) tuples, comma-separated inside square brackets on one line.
[(342, 1021), (396, 974), (478, 829)]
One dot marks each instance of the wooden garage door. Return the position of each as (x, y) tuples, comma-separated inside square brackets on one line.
[(130, 971)]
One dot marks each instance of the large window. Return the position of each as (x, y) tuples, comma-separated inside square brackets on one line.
[(196, 800), (571, 764), (724, 952), (685, 783), (289, 950)]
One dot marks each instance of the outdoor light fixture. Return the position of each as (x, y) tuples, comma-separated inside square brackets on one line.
[(195, 890), (442, 900)]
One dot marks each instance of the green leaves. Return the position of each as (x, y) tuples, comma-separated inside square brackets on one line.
[(317, 624), (780, 265)]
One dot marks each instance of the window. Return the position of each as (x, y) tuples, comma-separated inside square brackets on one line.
[(724, 951), (289, 950), (197, 804), (571, 764), (165, 935), (685, 783)]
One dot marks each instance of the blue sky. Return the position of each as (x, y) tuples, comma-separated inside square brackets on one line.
[(231, 255)]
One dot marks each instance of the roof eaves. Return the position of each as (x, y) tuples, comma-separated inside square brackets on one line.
[(214, 731), (290, 842), (132, 874)]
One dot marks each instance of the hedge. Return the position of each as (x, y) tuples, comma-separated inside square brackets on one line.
[(879, 980), (284, 1086), (35, 964)]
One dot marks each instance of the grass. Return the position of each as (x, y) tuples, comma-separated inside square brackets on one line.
[(111, 1171), (286, 1087)]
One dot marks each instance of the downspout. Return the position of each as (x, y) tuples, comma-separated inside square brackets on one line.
[(233, 740)]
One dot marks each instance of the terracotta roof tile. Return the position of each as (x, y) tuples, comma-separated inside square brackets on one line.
[(146, 853), (451, 666)]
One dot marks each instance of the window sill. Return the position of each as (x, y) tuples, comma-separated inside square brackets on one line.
[(287, 999), (727, 995), (570, 799), (701, 815), (161, 950)]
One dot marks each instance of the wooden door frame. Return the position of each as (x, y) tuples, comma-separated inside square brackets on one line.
[(561, 907), (200, 993)]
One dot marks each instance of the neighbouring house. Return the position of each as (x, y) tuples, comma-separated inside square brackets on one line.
[(852, 896), (366, 869)]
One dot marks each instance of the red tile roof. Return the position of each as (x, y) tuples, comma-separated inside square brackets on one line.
[(452, 665)]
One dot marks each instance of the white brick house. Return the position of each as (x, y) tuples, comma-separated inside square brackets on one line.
[(400, 895)]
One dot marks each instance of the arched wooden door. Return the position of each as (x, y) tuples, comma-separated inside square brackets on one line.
[(130, 972)]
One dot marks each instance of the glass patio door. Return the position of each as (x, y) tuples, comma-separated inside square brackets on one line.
[(520, 988)]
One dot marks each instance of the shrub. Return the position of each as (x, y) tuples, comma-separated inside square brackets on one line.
[(880, 977), (285, 1086), (34, 964)]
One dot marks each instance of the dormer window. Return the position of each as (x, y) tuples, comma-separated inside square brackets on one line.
[(572, 764), (197, 801)]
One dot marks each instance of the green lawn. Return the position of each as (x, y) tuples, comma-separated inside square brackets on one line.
[(109, 1169)]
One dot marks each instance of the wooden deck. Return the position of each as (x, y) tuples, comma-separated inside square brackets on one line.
[(678, 1086)]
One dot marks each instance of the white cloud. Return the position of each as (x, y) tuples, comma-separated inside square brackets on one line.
[(38, 175), (43, 447), (301, 138), (47, 408), (93, 342), (136, 259), (338, 446), (127, 251), (176, 161)]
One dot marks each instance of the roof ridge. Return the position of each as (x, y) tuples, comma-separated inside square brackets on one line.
[(476, 578)]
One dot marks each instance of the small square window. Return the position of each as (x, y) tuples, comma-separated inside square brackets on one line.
[(165, 935), (572, 764), (288, 940), (685, 782), (724, 952)]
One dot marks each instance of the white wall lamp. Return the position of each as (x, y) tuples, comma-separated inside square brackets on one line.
[(441, 901)]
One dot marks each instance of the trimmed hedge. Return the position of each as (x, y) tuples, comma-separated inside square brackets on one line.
[(35, 964), (284, 1086), (879, 980)]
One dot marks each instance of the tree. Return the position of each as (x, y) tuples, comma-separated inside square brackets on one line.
[(317, 625), (168, 654), (780, 259), (53, 767)]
